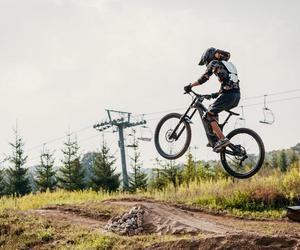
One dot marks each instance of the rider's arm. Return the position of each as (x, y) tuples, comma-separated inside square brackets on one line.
[(206, 75)]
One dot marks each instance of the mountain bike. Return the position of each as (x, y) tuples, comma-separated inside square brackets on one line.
[(242, 158)]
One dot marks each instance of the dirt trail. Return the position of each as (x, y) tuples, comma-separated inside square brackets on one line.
[(162, 218), (161, 213), (158, 218), (62, 216), (219, 232), (232, 242)]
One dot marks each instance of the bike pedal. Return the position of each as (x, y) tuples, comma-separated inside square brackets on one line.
[(221, 147), (218, 150)]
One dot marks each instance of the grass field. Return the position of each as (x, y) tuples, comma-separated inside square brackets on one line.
[(19, 231), (264, 195)]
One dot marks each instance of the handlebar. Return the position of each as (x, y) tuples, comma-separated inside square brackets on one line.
[(208, 97)]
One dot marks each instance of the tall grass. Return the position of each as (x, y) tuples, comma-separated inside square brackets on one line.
[(38, 200), (264, 195)]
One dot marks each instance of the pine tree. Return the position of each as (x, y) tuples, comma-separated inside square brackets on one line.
[(18, 181), (189, 172), (282, 161), (103, 172), (157, 181), (45, 174), (294, 158), (219, 171), (71, 174), (171, 173), (274, 160), (2, 183), (297, 148), (87, 162), (138, 179)]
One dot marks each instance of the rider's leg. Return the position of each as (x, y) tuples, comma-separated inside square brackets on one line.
[(223, 141), (212, 118)]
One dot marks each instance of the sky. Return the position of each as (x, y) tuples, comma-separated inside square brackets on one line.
[(63, 62)]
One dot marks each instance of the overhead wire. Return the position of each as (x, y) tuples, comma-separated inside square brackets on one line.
[(166, 111), (243, 99), (248, 105), (271, 94), (170, 110), (274, 101), (60, 138), (79, 142)]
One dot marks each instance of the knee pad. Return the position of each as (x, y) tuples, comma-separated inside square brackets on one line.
[(211, 117)]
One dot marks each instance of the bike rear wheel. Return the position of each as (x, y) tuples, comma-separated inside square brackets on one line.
[(172, 136), (245, 155)]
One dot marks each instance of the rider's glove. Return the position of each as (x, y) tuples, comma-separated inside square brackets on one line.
[(215, 95), (188, 88)]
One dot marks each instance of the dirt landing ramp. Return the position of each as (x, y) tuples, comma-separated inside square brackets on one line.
[(164, 219), (232, 242)]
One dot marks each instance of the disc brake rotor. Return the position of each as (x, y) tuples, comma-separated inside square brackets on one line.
[(168, 136)]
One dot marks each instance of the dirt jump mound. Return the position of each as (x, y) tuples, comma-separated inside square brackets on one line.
[(161, 219), (152, 217)]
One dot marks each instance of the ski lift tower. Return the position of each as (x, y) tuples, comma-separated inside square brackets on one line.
[(121, 120)]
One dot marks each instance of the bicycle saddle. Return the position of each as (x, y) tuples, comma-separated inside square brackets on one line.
[(231, 112)]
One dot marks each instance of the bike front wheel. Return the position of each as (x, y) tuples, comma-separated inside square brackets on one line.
[(172, 136), (245, 155)]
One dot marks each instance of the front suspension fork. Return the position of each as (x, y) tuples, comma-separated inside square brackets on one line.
[(185, 117)]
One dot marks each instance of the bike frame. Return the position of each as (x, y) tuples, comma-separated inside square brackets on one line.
[(195, 106)]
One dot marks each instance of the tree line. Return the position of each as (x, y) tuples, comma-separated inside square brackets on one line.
[(97, 170), (195, 171), (72, 173)]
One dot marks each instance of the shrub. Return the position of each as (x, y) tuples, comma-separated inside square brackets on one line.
[(268, 196)]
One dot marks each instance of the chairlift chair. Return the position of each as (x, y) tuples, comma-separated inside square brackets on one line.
[(133, 144), (132, 133), (240, 121), (145, 134), (269, 117)]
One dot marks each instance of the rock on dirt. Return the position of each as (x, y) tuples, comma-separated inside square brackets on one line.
[(130, 223)]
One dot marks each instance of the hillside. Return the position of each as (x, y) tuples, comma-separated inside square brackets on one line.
[(165, 226), (213, 211), (211, 214)]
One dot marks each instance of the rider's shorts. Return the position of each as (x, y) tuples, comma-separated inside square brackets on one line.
[(225, 101)]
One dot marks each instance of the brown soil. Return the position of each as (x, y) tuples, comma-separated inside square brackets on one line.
[(70, 217), (160, 213), (236, 241), (219, 232), (165, 219)]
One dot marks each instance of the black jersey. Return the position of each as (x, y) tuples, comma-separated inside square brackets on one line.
[(226, 73)]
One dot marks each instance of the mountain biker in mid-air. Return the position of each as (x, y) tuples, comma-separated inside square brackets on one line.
[(228, 96)]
